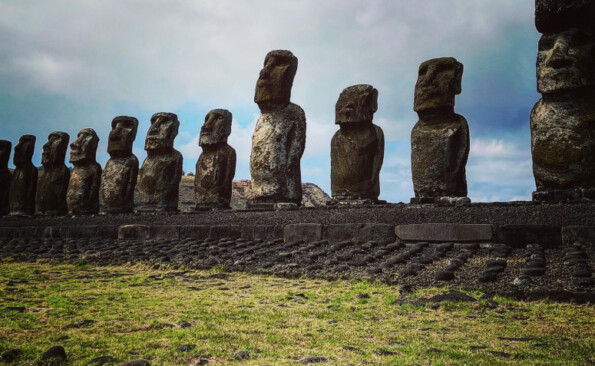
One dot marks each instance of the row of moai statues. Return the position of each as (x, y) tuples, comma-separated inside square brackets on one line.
[(562, 140)]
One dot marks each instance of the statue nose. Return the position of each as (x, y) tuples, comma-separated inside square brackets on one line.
[(559, 56)]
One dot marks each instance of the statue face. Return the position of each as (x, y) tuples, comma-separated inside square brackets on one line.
[(84, 148), (23, 152), (216, 128), (54, 151), (438, 81), (5, 148), (122, 135), (356, 104), (163, 131), (566, 61), (273, 88)]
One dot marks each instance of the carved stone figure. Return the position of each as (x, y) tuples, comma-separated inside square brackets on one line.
[(216, 165), (121, 171), (279, 137), (23, 184), (357, 149), (440, 139), (83, 191), (5, 176), (55, 176), (161, 172), (563, 120)]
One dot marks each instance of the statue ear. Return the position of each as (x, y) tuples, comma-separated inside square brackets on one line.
[(374, 100), (458, 78)]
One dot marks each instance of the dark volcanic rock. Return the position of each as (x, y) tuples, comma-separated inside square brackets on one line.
[(55, 354), (5, 176), (357, 149), (11, 355), (83, 190), (440, 139), (55, 176), (162, 169), (216, 165), (119, 177), (279, 138), (23, 184)]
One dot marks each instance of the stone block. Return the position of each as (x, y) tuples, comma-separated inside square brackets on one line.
[(168, 232), (50, 232), (580, 234), (305, 232), (200, 232), (266, 232), (520, 235), (381, 233), (341, 232), (29, 232), (107, 232), (444, 232), (225, 231), (7, 233), (134, 232), (78, 232)]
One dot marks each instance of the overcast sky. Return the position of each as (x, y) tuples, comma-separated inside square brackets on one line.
[(70, 64)]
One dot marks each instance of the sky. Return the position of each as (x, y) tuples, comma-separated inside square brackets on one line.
[(71, 64)]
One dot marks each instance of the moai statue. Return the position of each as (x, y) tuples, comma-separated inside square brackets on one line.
[(23, 184), (160, 175), (563, 120), (83, 190), (5, 176), (279, 137), (440, 139), (55, 176), (357, 149), (121, 171), (216, 165)]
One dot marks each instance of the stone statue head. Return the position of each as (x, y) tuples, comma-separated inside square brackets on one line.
[(566, 52), (122, 136), (273, 88), (84, 148), (23, 152), (438, 81), (163, 131), (216, 128), (356, 104), (5, 148), (54, 151)]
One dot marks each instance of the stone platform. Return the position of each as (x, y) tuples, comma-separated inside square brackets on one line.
[(517, 248)]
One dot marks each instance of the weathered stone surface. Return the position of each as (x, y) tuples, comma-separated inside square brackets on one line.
[(140, 232), (562, 142), (357, 149), (23, 184), (55, 176), (279, 138), (444, 232), (216, 165), (119, 177), (381, 233), (82, 197), (78, 232), (521, 235), (440, 139), (170, 232), (225, 231), (5, 176), (306, 232), (194, 231), (161, 172), (581, 234)]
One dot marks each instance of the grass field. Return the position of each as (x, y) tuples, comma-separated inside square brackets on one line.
[(219, 318)]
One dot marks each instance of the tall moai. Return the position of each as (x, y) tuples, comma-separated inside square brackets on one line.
[(55, 176), (563, 120), (279, 138), (357, 149), (121, 171), (160, 175), (440, 139), (23, 184), (216, 165), (5, 176), (83, 190)]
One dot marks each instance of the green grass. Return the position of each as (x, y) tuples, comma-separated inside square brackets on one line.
[(136, 313)]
